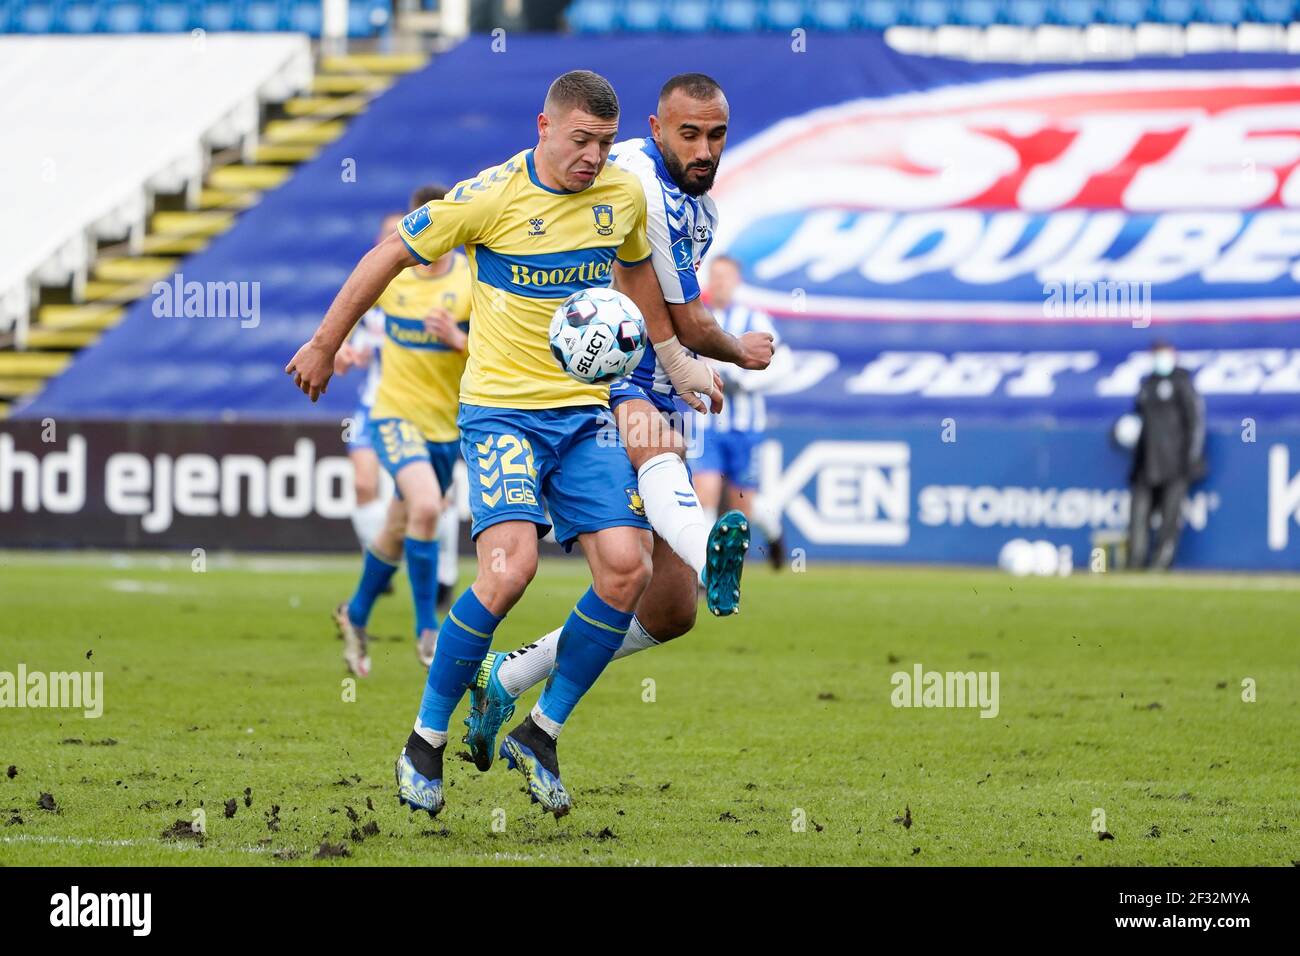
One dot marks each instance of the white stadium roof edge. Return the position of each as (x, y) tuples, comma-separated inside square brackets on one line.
[(93, 127)]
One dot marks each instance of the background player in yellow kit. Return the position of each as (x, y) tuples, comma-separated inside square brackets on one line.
[(413, 431)]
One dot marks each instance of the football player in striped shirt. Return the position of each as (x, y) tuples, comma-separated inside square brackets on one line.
[(729, 441)]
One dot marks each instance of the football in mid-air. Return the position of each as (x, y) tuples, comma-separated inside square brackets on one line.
[(598, 335)]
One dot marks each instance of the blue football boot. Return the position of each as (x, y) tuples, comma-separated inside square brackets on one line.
[(531, 751), (489, 707), (419, 775), (724, 562)]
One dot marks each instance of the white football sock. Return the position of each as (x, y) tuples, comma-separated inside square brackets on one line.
[(530, 664), (767, 518), (636, 639), (434, 738), (544, 723), (368, 520), (673, 509), (448, 546)]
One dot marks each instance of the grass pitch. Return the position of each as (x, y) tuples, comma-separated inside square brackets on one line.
[(768, 738)]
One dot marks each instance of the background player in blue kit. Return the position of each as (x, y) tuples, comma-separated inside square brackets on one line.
[(728, 442)]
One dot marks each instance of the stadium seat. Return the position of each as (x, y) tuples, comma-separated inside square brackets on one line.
[(368, 18), (831, 15), (1222, 11), (123, 17), (305, 17), (1075, 13), (77, 16), (170, 16), (975, 13), (1125, 12), (593, 16), (879, 14), (219, 16), (1026, 13), (262, 16), (782, 15), (736, 16), (927, 13), (34, 18), (687, 16), (642, 15), (1172, 11), (1275, 11)]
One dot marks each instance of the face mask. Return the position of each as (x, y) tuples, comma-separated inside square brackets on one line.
[(1163, 363)]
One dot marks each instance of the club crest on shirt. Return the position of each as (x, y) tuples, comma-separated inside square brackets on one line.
[(634, 502), (604, 214)]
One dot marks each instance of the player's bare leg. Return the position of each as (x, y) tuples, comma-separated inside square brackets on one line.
[(448, 552), (383, 558), (766, 518), (667, 608), (708, 486), (369, 510), (751, 504)]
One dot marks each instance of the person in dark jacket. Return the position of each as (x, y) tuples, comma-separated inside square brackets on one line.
[(1169, 456)]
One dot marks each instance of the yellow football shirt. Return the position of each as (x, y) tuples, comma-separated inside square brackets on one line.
[(419, 378), (530, 247)]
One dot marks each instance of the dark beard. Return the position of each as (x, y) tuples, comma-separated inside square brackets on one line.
[(678, 172)]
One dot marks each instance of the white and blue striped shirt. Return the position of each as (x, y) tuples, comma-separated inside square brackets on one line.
[(680, 229), (370, 334), (745, 408)]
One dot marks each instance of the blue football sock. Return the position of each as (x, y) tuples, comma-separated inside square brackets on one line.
[(376, 573), (591, 635), (422, 569), (463, 642)]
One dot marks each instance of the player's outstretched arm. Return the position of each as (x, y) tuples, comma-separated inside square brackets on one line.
[(698, 330), (687, 373), (313, 364)]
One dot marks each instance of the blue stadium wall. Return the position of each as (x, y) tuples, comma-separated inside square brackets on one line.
[(862, 470)]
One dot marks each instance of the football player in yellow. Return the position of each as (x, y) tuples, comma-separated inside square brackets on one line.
[(675, 166), (412, 427), (546, 223)]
